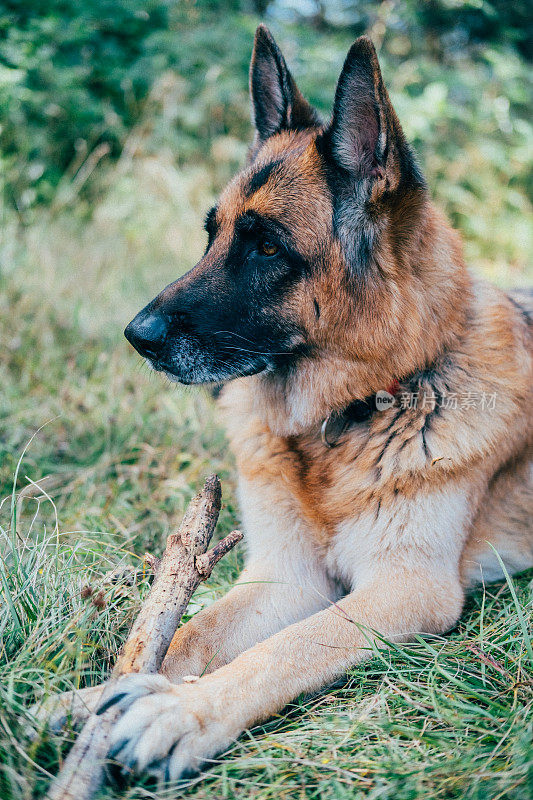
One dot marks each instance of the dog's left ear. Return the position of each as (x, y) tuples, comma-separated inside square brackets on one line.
[(365, 136), (277, 102)]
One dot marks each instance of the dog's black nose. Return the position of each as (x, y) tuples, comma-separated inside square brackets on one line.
[(147, 333)]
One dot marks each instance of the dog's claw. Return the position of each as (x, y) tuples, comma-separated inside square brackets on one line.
[(115, 749), (113, 700)]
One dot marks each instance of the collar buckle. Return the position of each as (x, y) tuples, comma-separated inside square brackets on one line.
[(332, 428), (336, 423)]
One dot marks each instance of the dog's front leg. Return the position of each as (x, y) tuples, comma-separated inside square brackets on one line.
[(284, 581), (171, 730), (268, 596)]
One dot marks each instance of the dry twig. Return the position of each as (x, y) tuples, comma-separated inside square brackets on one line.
[(185, 563)]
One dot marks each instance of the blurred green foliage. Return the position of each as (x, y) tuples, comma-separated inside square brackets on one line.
[(84, 81)]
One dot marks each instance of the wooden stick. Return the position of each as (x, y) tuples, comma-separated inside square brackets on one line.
[(207, 561), (183, 566)]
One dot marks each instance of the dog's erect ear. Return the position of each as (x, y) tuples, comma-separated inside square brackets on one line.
[(365, 136), (277, 102)]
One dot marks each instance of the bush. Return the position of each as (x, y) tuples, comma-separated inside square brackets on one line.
[(76, 75)]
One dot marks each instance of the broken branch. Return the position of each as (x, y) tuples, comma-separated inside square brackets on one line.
[(183, 566), (206, 561)]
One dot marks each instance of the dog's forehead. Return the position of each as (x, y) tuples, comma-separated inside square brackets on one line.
[(286, 181)]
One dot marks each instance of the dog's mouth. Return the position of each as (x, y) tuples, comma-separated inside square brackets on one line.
[(201, 373), (160, 366)]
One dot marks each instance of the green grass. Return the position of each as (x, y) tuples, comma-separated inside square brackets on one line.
[(108, 474)]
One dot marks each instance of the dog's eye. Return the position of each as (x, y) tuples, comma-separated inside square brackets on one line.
[(268, 248)]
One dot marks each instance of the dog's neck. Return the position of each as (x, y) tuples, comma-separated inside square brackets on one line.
[(434, 288)]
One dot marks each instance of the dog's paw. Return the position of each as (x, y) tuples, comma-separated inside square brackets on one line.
[(165, 729), (56, 710)]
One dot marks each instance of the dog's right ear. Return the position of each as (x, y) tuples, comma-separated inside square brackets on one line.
[(276, 100)]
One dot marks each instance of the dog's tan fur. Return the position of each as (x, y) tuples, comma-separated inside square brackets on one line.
[(385, 531)]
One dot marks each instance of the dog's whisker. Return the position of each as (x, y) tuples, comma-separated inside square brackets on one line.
[(233, 333), (265, 353)]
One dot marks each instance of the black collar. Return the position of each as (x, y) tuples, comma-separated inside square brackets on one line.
[(336, 423), (358, 411)]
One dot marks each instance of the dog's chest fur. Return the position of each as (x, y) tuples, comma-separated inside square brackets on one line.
[(351, 503)]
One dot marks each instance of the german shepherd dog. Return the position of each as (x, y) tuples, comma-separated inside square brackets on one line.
[(378, 401)]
